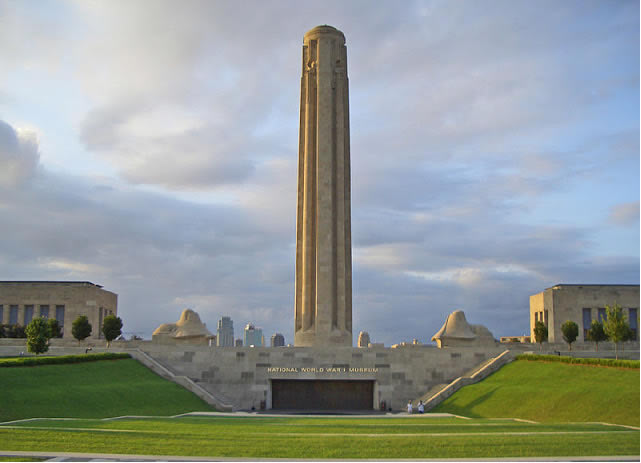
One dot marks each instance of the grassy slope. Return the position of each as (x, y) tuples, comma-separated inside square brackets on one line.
[(91, 390), (316, 438), (551, 392)]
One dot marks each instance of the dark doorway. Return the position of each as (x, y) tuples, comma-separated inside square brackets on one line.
[(322, 395)]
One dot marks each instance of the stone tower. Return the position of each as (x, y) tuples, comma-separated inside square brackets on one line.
[(323, 225)]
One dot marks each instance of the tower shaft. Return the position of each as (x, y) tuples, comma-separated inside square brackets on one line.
[(323, 227)]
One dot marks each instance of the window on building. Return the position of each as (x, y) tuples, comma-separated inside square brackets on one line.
[(60, 315), (545, 319), (587, 321), (44, 311), (602, 315), (536, 317), (1, 313), (13, 315), (28, 314), (632, 321)]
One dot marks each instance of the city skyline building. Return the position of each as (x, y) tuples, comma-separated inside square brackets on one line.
[(363, 339), (253, 336), (277, 340), (225, 332)]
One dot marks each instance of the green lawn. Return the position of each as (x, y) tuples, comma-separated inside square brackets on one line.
[(551, 392), (105, 388), (318, 438)]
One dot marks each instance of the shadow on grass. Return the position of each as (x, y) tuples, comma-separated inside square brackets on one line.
[(468, 409)]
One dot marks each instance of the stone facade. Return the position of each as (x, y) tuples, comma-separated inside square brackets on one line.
[(243, 376), (323, 296), (63, 300), (581, 304)]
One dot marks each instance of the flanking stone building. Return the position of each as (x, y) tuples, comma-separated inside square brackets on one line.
[(582, 304), (22, 301)]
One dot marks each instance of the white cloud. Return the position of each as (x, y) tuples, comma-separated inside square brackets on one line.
[(19, 155)]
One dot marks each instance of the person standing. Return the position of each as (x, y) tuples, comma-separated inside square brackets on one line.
[(409, 407), (421, 407)]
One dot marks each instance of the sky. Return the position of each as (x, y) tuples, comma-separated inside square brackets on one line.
[(151, 147)]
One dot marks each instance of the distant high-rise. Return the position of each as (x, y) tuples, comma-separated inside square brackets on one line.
[(253, 336), (278, 340), (363, 339), (225, 332)]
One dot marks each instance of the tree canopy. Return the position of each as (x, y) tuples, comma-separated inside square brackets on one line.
[(55, 328), (570, 332), (616, 326), (540, 333), (81, 328), (38, 335), (596, 333), (111, 328)]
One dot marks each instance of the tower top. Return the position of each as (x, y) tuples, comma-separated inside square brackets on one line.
[(324, 30)]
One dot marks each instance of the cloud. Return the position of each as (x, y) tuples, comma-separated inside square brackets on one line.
[(19, 155), (625, 214), (487, 143)]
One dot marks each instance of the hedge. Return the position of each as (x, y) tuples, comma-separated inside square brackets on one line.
[(580, 361), (35, 361)]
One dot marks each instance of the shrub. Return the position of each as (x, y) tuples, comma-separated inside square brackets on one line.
[(580, 361), (16, 331), (35, 361)]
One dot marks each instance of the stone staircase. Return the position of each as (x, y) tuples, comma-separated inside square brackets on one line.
[(161, 370), (439, 393)]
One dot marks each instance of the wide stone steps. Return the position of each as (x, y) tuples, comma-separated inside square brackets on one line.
[(433, 391), (155, 366), (475, 375)]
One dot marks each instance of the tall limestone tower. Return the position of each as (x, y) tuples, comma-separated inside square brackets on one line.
[(323, 224)]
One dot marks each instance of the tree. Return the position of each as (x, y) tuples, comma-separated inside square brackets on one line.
[(38, 335), (55, 328), (111, 328), (540, 333), (596, 333), (615, 326), (81, 328), (570, 332)]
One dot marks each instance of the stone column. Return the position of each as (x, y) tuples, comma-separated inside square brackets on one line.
[(323, 296)]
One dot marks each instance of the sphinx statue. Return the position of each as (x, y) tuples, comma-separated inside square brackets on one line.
[(457, 332), (188, 329)]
